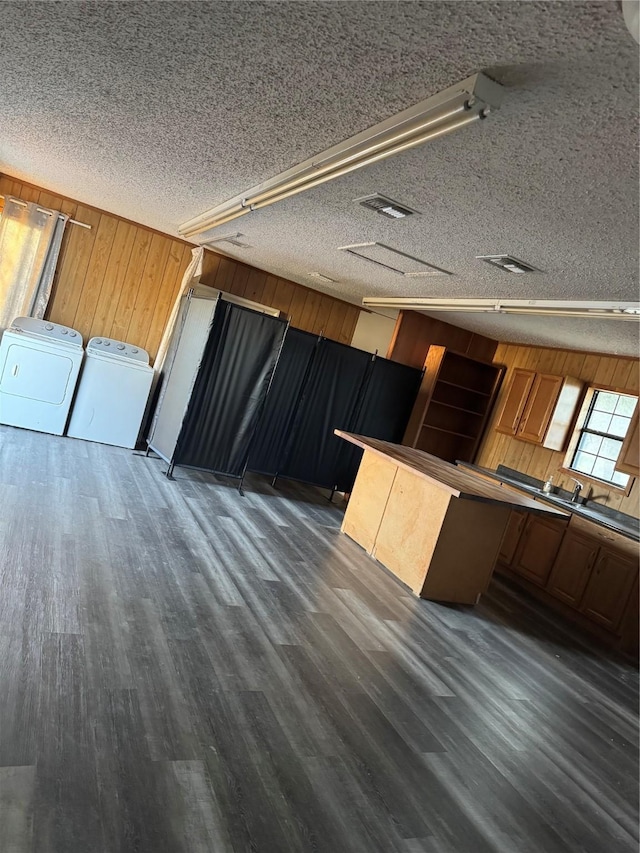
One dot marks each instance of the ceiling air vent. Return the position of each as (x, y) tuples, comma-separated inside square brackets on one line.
[(393, 259), (321, 277), (386, 206), (233, 239), (507, 263)]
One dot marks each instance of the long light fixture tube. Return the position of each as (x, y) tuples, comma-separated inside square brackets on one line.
[(455, 108), (629, 311)]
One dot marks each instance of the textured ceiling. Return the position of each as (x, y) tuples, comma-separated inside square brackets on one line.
[(158, 111)]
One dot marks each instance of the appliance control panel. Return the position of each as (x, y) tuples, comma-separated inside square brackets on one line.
[(46, 330), (118, 349)]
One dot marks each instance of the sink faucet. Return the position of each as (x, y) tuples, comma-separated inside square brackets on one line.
[(575, 494)]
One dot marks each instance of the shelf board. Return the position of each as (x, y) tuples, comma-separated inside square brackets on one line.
[(458, 408), (464, 387), (450, 432)]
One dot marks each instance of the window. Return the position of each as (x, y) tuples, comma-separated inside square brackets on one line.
[(600, 439)]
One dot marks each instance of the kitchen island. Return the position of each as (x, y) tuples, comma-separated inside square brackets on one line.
[(435, 526)]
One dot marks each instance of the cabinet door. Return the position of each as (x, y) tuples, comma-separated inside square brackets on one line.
[(540, 406), (629, 459), (538, 548), (572, 568), (511, 536), (607, 592), (515, 401)]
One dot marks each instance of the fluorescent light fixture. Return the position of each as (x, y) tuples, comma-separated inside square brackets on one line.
[(393, 259), (532, 307), (454, 108)]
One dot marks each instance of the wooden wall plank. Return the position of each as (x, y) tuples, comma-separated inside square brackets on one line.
[(255, 285), (92, 285), (135, 269), (168, 290), (114, 281), (72, 268), (147, 295), (296, 308)]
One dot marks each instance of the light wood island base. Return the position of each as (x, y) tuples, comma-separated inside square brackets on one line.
[(425, 520)]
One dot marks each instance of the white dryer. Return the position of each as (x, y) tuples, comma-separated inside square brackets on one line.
[(112, 393), (39, 366)]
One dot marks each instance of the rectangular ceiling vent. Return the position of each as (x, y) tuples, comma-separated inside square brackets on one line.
[(386, 206), (321, 277), (233, 239), (393, 259), (507, 263)]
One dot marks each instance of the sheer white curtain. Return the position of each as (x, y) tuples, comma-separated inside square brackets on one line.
[(30, 239)]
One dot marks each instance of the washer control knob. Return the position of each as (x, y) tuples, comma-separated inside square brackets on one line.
[(72, 334), (134, 351), (107, 343), (120, 346), (99, 341), (49, 327), (65, 331)]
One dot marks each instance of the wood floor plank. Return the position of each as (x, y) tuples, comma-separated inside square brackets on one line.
[(186, 670)]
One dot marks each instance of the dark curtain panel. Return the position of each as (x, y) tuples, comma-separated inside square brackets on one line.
[(280, 408), (230, 389), (386, 403), (330, 401)]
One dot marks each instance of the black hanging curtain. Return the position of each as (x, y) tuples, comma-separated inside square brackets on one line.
[(230, 389), (385, 406), (279, 412), (330, 400)]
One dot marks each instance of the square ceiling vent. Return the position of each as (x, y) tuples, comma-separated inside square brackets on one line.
[(507, 263), (385, 206), (393, 259)]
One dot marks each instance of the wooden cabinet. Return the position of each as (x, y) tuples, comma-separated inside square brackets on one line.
[(515, 401), (511, 537), (537, 549), (572, 568), (540, 408), (453, 404), (629, 458), (607, 592)]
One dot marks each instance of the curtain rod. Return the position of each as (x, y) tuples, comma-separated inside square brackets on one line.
[(49, 212)]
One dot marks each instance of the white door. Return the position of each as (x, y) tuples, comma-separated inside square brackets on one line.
[(35, 374)]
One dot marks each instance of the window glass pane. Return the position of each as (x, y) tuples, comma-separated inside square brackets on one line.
[(625, 406), (599, 420), (620, 479), (619, 425), (583, 462), (610, 448), (605, 402), (589, 442), (603, 468)]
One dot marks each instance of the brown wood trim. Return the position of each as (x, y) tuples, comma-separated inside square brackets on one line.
[(572, 351)]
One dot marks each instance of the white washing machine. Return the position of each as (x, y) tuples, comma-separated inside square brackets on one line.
[(39, 366), (112, 393)]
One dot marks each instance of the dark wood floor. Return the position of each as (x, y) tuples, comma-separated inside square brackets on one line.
[(184, 670)]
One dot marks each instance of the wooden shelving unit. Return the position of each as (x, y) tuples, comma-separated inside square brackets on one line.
[(453, 404)]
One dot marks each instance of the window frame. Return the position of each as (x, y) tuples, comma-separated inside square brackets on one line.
[(576, 434)]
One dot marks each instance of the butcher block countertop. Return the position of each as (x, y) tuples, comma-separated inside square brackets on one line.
[(458, 482)]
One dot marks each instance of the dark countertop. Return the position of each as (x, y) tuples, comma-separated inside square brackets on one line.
[(626, 525)]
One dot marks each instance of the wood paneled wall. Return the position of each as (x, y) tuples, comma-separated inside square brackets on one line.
[(593, 369), (120, 279), (307, 309), (415, 333)]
